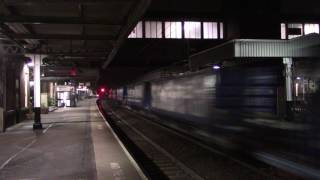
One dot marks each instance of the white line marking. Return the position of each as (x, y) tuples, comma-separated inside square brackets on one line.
[(15, 155), (44, 131), (133, 162), (117, 171), (115, 165)]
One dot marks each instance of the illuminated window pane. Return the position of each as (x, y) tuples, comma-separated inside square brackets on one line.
[(137, 31), (173, 30), (147, 29), (283, 31), (221, 31), (159, 29), (294, 30), (311, 28), (192, 30), (210, 30), (153, 29)]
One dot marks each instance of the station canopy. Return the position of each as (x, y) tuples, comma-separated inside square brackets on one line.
[(302, 47), (82, 32)]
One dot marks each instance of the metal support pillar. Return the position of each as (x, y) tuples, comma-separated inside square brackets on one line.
[(289, 85), (2, 93), (37, 92), (1, 119)]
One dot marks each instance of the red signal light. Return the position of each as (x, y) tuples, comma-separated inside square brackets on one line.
[(102, 91), (73, 71)]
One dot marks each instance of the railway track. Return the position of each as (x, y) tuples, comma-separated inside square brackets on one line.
[(165, 162), (178, 157), (168, 164)]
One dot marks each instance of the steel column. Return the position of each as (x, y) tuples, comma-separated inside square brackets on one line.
[(37, 92), (289, 87), (288, 73), (2, 93)]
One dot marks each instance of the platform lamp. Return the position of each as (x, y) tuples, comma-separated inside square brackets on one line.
[(217, 66)]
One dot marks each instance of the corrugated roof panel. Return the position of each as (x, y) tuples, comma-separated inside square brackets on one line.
[(247, 48), (305, 46)]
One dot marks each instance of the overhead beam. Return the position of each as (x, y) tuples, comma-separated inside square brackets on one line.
[(60, 36), (134, 16), (4, 29), (78, 54), (91, 78), (76, 59), (9, 11), (58, 20), (32, 2)]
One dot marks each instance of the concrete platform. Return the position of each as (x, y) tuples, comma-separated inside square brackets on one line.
[(75, 143)]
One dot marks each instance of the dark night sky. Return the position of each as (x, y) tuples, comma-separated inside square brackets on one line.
[(216, 6)]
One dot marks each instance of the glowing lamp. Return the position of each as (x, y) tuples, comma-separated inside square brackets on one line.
[(216, 67), (30, 64)]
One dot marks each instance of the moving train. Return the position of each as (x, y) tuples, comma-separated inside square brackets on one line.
[(241, 106), (210, 94)]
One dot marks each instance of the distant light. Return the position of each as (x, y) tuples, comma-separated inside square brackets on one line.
[(216, 67), (31, 83), (30, 64), (298, 78), (103, 90)]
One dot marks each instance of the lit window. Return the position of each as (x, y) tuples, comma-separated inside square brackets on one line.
[(173, 30), (137, 31), (311, 28), (283, 31), (192, 30), (210, 30), (153, 29), (295, 30), (221, 31)]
